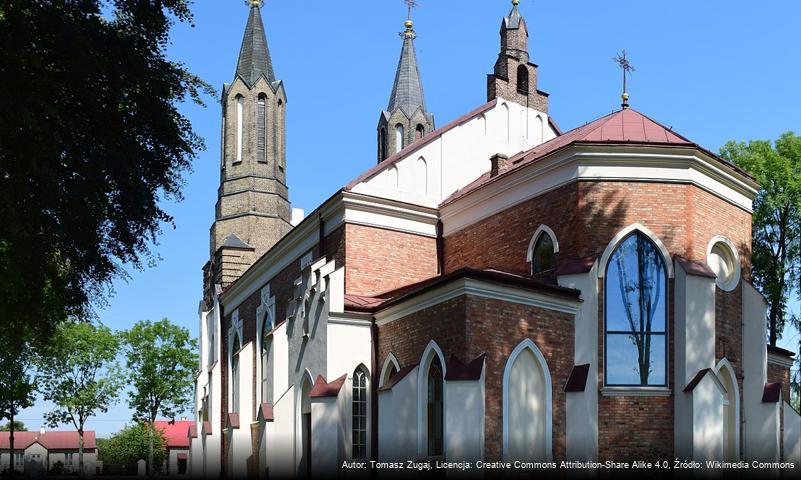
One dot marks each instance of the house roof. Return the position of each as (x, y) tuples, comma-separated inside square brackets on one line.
[(373, 304), (176, 433), (50, 440), (622, 127)]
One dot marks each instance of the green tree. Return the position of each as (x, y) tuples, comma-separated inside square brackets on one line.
[(91, 140), (161, 360), (18, 426), (77, 371), (16, 383), (776, 247), (129, 445)]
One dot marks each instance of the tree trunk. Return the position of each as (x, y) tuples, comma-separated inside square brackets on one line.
[(150, 449), (774, 314), (80, 453), (11, 443)]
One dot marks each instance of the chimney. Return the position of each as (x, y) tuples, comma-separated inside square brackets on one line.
[(498, 162), (41, 431)]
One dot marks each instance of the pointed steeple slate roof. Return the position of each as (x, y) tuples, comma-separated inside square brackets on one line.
[(513, 19), (254, 56), (407, 91)]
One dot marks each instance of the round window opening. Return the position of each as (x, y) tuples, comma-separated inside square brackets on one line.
[(724, 262)]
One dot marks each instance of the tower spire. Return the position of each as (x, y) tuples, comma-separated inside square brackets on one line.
[(406, 117), (254, 55)]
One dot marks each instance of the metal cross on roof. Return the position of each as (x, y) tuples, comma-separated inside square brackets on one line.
[(627, 67), (410, 5)]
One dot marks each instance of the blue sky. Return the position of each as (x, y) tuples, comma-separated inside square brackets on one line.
[(712, 70)]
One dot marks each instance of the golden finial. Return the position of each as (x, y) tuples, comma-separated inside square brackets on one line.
[(409, 24), (515, 2), (254, 3)]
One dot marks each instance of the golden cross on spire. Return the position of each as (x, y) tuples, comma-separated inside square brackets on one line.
[(627, 67)]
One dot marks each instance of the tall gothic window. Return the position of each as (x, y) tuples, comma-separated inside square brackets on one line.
[(398, 137), (522, 79), (360, 414), (261, 126), (543, 257), (235, 381), (435, 420), (382, 144), (240, 126), (266, 349), (635, 314)]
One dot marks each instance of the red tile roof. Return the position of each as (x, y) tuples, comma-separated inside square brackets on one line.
[(461, 371), (176, 433), (697, 379), (695, 267), (623, 127), (266, 412), (323, 389), (50, 440), (577, 380), (397, 377)]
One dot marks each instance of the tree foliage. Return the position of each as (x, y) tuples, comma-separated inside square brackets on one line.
[(776, 247), (161, 359), (78, 372), (16, 382), (91, 140), (18, 427), (130, 445)]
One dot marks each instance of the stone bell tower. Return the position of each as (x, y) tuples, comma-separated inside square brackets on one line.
[(515, 77), (252, 210)]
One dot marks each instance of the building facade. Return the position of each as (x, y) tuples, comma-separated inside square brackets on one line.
[(492, 289), (45, 453)]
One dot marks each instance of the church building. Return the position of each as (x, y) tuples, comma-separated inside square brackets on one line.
[(492, 289)]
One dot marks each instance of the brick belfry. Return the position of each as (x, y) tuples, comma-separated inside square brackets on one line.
[(252, 210), (405, 119), (515, 77)]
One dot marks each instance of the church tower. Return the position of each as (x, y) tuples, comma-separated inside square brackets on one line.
[(405, 119), (515, 77), (252, 210)]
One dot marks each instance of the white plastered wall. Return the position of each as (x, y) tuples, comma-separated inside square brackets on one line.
[(761, 429), (460, 155), (464, 419), (325, 428), (241, 446), (582, 407), (349, 345), (792, 435), (694, 334), (397, 420), (707, 410), (280, 458)]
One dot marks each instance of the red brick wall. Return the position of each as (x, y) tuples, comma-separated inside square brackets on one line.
[(585, 216), (469, 326), (777, 374), (379, 260), (729, 335)]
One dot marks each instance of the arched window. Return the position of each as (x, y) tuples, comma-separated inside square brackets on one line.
[(635, 316), (240, 126), (527, 405), (266, 352), (382, 144), (398, 137), (235, 374), (543, 254), (389, 370), (360, 413), (522, 79), (279, 133), (305, 426), (434, 408), (507, 122), (419, 132), (261, 128)]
